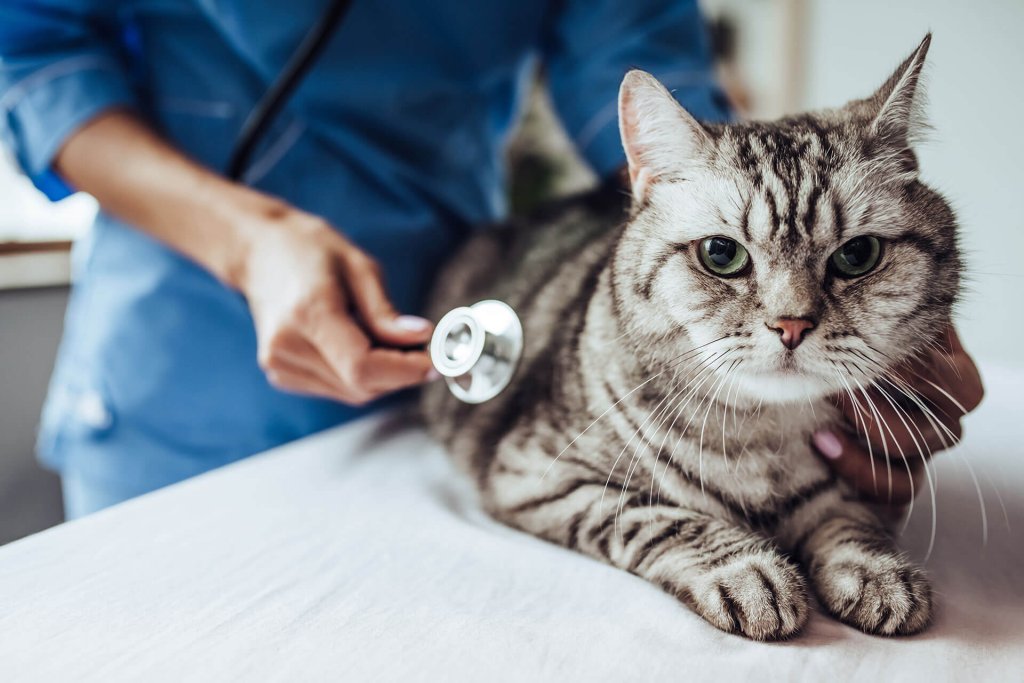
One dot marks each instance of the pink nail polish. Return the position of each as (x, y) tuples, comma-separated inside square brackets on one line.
[(828, 444), (412, 323)]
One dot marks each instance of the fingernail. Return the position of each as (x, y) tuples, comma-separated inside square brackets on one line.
[(433, 375), (412, 323), (828, 443)]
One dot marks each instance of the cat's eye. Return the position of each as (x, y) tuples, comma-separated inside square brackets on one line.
[(723, 257), (857, 257)]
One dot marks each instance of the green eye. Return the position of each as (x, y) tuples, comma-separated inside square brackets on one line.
[(857, 257), (723, 256)]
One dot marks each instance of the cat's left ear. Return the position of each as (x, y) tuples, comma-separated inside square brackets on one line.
[(660, 137), (897, 105)]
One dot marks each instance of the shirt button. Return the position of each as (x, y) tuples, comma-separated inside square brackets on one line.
[(92, 411)]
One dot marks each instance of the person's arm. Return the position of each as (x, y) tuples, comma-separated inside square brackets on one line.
[(317, 301), (589, 46), (324, 323)]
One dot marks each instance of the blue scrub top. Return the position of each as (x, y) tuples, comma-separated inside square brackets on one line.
[(396, 136)]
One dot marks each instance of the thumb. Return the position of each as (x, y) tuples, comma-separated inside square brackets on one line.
[(385, 324)]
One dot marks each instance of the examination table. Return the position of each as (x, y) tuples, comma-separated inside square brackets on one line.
[(358, 554)]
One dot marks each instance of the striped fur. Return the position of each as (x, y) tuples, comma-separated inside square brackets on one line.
[(655, 422)]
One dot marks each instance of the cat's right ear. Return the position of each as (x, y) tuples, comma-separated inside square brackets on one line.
[(660, 137)]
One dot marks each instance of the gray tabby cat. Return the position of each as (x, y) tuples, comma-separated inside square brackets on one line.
[(678, 357)]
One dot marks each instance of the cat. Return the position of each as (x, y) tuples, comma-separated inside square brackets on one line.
[(681, 344)]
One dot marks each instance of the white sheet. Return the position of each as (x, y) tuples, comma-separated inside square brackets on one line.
[(358, 555)]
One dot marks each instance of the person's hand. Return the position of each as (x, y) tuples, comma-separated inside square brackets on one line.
[(324, 324), (883, 447)]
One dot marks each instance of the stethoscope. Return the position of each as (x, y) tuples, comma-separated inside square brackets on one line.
[(475, 348)]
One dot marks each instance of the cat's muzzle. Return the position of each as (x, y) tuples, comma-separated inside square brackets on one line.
[(477, 349)]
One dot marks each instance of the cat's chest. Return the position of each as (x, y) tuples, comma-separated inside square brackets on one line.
[(755, 466), (756, 476)]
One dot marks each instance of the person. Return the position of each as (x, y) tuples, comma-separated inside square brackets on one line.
[(211, 320)]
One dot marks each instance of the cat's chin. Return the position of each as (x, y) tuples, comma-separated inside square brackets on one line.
[(781, 387)]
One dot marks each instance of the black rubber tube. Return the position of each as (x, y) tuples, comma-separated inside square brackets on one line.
[(269, 106)]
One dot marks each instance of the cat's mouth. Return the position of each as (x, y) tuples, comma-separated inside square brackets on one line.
[(788, 364)]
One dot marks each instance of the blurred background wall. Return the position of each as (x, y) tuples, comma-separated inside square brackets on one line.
[(778, 56), (30, 325)]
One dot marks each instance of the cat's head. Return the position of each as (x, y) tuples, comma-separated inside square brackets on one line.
[(801, 255)]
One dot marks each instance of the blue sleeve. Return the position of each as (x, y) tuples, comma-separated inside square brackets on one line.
[(593, 43), (60, 65)]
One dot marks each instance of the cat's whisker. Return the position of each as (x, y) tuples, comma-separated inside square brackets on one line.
[(954, 441), (661, 447), (908, 391), (807, 395), (700, 459), (635, 461), (944, 355), (703, 375), (859, 417), (657, 456), (661, 423), (861, 423), (999, 499), (612, 341), (900, 412), (678, 411), (905, 389), (620, 400), (939, 427), (614, 466), (881, 421), (725, 419), (598, 419), (924, 461), (704, 424), (756, 413), (640, 432)]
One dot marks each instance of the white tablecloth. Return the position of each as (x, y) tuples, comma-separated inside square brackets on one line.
[(358, 554)]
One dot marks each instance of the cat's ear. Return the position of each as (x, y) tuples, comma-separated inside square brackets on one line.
[(660, 137), (897, 105)]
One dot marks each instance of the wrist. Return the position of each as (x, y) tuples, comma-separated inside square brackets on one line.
[(250, 218)]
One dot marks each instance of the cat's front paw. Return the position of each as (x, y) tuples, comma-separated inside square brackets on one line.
[(886, 595), (761, 596)]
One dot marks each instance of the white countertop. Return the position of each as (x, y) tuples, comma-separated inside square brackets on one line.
[(359, 554)]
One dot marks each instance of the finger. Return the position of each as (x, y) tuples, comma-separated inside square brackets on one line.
[(388, 370), (295, 379), (947, 376), (287, 346), (871, 478), (955, 378), (304, 355), (366, 286), (952, 339), (895, 430), (933, 381), (360, 368)]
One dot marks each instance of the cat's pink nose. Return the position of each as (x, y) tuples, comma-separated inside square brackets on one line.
[(792, 330)]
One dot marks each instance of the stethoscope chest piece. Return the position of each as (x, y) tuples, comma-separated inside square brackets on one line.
[(477, 348)]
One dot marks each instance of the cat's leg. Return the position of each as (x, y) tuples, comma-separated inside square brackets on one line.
[(858, 573), (731, 576)]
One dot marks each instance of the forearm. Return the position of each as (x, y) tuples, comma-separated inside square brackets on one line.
[(140, 178)]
